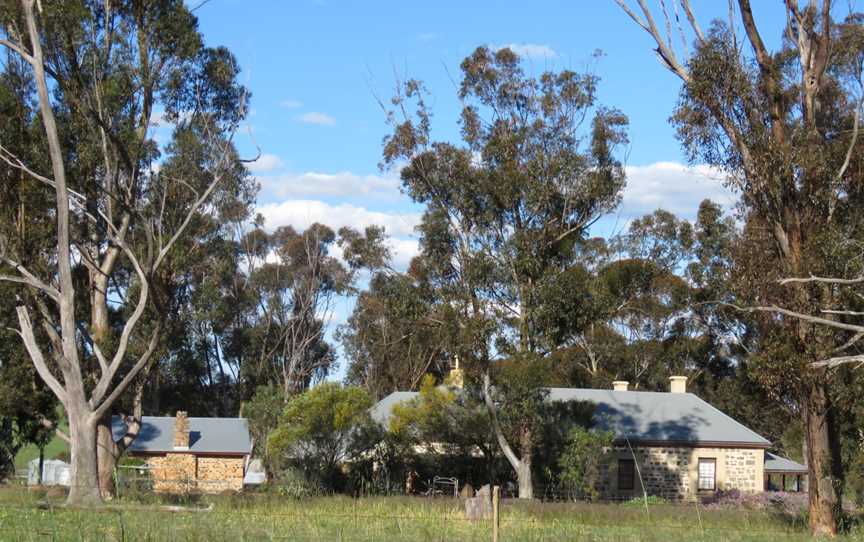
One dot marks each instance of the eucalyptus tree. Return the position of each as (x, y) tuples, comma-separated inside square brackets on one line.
[(505, 209), (100, 72), (394, 335), (784, 126)]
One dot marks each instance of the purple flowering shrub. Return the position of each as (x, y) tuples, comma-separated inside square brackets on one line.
[(790, 503)]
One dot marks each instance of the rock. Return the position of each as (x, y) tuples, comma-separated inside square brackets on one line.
[(479, 507)]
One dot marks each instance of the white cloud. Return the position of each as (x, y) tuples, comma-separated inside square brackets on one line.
[(302, 213), (340, 184), (265, 162), (674, 187), (402, 251), (529, 50), (314, 117), (291, 104)]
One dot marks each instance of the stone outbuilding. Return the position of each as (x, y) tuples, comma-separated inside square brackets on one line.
[(670, 444), (206, 455)]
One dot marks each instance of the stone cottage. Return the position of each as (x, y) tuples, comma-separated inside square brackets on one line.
[(671, 444), (207, 455)]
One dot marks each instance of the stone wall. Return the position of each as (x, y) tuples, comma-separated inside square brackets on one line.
[(217, 474), (744, 469), (174, 473), (185, 473), (672, 472)]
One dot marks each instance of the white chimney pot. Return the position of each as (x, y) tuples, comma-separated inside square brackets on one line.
[(678, 384)]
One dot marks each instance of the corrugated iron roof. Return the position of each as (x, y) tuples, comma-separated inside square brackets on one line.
[(776, 463), (638, 416), (206, 435)]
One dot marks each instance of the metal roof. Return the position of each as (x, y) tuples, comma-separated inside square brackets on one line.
[(775, 463), (648, 416), (206, 435), (383, 409), (639, 416)]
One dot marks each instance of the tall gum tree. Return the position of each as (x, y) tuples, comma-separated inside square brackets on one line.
[(784, 126), (505, 209), (100, 71)]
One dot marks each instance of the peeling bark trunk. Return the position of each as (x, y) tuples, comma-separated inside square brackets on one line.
[(109, 450), (823, 479), (107, 453)]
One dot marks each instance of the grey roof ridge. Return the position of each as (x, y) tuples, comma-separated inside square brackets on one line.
[(646, 392)]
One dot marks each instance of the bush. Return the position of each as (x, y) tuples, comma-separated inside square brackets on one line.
[(790, 503), (322, 430), (580, 462)]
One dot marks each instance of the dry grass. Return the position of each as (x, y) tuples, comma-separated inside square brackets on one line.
[(390, 519)]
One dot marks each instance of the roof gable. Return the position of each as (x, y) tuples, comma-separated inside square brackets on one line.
[(207, 435)]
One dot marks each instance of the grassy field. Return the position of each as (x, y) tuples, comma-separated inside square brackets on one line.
[(32, 516), (55, 447), (29, 452)]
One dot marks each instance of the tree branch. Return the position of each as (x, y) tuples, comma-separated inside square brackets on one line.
[(798, 315), (496, 426), (18, 48), (121, 387), (840, 360), (26, 333), (827, 280)]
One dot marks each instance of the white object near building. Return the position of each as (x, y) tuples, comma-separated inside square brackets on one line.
[(54, 473)]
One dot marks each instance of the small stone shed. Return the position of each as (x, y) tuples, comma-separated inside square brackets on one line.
[(671, 444), (206, 455)]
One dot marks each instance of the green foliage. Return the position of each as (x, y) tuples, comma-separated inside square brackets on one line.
[(263, 412), (449, 426), (392, 338), (581, 461), (505, 209), (320, 430)]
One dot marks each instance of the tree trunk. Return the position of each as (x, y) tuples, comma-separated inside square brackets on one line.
[(84, 490), (522, 466), (107, 453), (41, 463), (823, 481), (526, 445)]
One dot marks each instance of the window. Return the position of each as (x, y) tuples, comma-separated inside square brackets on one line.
[(626, 473), (707, 474)]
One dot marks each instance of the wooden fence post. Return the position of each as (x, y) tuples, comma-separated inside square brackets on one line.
[(496, 518)]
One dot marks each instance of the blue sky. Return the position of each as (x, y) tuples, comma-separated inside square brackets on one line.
[(315, 68)]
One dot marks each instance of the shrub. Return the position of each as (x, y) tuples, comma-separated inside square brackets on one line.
[(322, 430), (581, 460)]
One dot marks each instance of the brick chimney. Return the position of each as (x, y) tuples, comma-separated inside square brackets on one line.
[(677, 384), (620, 385), (181, 431), (456, 377)]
